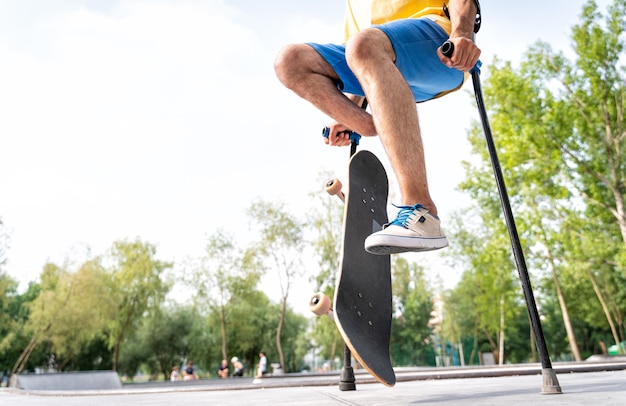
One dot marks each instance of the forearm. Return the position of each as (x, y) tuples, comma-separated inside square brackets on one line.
[(464, 22), (462, 17)]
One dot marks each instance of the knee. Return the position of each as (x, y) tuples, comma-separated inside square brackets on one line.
[(288, 64), (366, 46)]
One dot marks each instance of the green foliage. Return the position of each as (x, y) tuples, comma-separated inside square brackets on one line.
[(71, 310), (560, 132), (220, 280), (72, 314), (279, 248), (413, 303), (137, 287), (160, 342), (14, 334), (8, 291), (9, 324)]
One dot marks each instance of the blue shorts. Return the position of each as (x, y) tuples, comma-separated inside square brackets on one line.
[(415, 42)]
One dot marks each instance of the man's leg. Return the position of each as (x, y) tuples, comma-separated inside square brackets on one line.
[(302, 69), (371, 57)]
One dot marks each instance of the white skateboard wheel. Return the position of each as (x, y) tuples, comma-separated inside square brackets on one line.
[(319, 304)]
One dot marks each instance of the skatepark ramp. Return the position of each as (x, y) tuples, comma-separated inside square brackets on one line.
[(63, 381)]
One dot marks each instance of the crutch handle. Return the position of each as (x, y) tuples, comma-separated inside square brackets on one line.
[(447, 49)]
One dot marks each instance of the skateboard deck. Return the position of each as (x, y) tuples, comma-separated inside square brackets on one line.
[(362, 302)]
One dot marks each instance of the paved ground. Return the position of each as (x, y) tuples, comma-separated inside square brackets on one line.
[(589, 384)]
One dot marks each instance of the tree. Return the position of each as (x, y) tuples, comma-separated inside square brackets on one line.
[(461, 321), (223, 277), (70, 311), (294, 339), (8, 322), (137, 287), (413, 304), (17, 336), (280, 247), (160, 342), (562, 136), (254, 318), (483, 248), (8, 291)]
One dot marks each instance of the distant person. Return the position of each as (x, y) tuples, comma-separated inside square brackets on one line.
[(223, 370), (237, 366), (175, 375), (189, 374), (262, 368)]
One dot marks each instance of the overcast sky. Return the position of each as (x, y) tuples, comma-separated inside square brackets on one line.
[(163, 120)]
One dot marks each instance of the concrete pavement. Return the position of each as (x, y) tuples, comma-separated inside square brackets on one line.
[(585, 383)]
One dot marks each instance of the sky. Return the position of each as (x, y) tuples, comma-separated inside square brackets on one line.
[(163, 120)]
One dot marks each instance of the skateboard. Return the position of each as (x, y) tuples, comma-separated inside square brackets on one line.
[(362, 299)]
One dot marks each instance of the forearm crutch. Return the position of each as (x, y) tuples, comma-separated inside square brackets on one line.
[(550, 381)]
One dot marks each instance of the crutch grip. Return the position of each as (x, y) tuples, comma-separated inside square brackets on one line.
[(447, 49)]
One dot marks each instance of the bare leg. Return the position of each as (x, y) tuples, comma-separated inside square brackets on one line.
[(300, 68), (371, 57)]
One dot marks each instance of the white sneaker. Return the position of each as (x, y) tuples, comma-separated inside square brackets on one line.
[(414, 229)]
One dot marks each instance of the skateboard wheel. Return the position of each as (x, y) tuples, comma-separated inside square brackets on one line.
[(320, 304), (333, 186)]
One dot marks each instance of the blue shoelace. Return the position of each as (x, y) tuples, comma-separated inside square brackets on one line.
[(403, 215)]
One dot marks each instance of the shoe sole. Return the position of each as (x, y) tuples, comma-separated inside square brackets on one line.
[(387, 244)]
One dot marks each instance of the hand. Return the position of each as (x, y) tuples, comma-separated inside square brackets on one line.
[(339, 135), (465, 55)]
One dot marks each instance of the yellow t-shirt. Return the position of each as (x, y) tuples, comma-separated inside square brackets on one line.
[(361, 14)]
